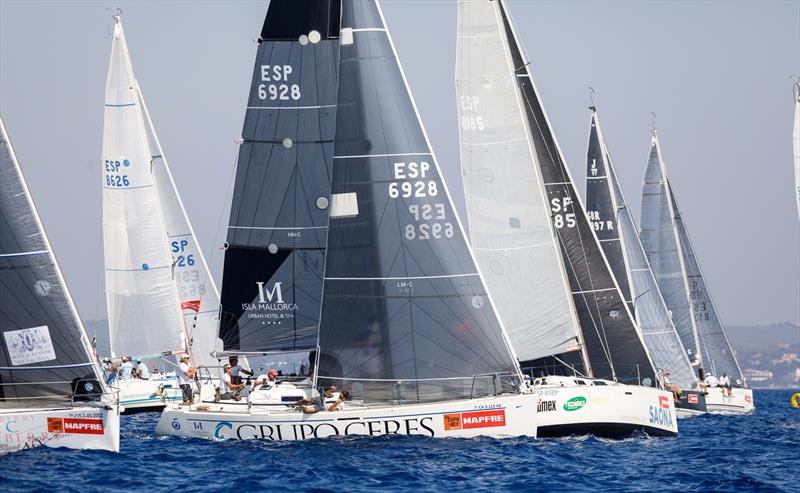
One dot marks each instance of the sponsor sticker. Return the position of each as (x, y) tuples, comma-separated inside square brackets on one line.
[(476, 419), (748, 399), (55, 425), (75, 426), (26, 346), (692, 399), (575, 403), (663, 401)]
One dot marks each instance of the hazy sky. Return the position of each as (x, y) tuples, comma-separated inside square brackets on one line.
[(717, 74)]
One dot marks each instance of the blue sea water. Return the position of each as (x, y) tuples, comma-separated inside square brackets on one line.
[(712, 452)]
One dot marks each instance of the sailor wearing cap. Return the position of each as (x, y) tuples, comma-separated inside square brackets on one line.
[(142, 369), (186, 374), (109, 371)]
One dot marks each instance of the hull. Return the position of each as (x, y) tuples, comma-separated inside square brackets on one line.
[(147, 395), (693, 403), (505, 416), (740, 402), (79, 427), (610, 410)]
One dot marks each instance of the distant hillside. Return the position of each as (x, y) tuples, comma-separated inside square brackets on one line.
[(769, 355)]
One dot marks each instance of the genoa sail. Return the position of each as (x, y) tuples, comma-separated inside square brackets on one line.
[(510, 230), (278, 227), (159, 292), (619, 237), (406, 317), (666, 241), (45, 349), (610, 341)]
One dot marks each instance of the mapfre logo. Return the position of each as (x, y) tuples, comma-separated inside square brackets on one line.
[(692, 399), (477, 419), (266, 296), (75, 426), (663, 401)]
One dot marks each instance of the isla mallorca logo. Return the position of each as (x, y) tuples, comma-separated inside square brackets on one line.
[(26, 346), (575, 403), (476, 419)]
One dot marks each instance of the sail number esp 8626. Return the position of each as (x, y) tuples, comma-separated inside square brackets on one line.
[(115, 176), (411, 181), (277, 86)]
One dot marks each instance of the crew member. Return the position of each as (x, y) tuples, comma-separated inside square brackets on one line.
[(725, 383), (228, 389), (126, 368), (144, 372), (236, 368), (338, 405), (329, 397), (271, 378), (186, 374), (109, 370), (676, 391)]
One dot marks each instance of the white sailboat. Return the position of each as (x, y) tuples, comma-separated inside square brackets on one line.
[(618, 235), (160, 296), (406, 325), (51, 393), (672, 257), (554, 290)]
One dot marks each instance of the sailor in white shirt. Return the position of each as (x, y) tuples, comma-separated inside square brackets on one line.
[(228, 389), (711, 381), (144, 372), (186, 378), (127, 368), (725, 383), (236, 368)]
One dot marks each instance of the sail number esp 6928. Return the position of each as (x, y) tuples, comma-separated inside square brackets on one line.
[(276, 85), (411, 181)]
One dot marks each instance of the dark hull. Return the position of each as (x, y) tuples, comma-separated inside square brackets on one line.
[(603, 430)]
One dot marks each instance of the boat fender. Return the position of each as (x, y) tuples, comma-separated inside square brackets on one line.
[(796, 400)]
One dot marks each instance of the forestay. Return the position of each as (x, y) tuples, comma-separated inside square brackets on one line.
[(45, 351), (405, 315), (616, 229), (277, 234), (509, 219)]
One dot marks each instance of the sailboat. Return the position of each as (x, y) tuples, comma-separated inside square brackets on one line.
[(618, 235), (406, 325), (672, 258), (160, 296), (796, 144), (555, 292), (51, 393)]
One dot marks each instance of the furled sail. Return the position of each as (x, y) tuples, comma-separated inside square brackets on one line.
[(619, 237), (144, 313), (278, 228), (611, 344), (508, 214), (405, 314), (45, 350), (674, 263)]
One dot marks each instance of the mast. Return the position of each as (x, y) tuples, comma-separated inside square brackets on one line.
[(607, 207), (405, 314), (46, 350)]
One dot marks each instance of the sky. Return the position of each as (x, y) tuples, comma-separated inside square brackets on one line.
[(716, 74)]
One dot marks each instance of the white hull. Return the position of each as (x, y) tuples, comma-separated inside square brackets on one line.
[(79, 427), (153, 394), (610, 410), (740, 401), (504, 416)]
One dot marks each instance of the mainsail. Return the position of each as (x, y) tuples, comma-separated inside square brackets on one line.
[(278, 228), (674, 263), (45, 349), (587, 310), (796, 144), (159, 292), (405, 314), (619, 237)]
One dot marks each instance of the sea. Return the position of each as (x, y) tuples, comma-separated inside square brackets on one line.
[(758, 452)]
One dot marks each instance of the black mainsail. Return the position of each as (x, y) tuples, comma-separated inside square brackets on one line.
[(610, 345), (618, 235), (275, 249), (405, 314), (45, 352)]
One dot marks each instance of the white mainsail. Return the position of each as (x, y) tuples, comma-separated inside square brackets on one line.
[(156, 277), (509, 217), (796, 143)]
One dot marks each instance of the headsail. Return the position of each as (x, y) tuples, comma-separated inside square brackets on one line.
[(45, 349), (669, 249), (405, 314), (275, 255), (619, 237), (508, 214), (611, 342)]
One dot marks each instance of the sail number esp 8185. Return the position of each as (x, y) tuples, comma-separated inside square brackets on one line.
[(412, 181)]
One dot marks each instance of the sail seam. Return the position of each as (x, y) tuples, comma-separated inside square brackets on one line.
[(398, 278), (356, 156)]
